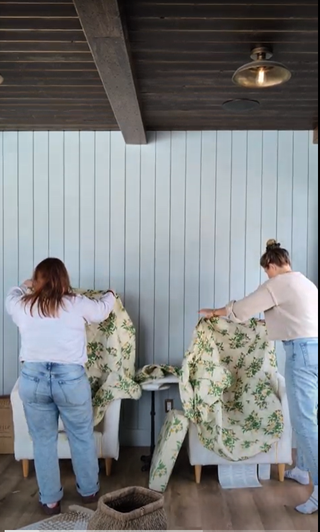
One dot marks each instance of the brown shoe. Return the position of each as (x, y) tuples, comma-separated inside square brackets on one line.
[(56, 510), (91, 499)]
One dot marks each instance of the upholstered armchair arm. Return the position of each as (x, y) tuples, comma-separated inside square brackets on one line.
[(110, 430), (23, 448), (19, 420)]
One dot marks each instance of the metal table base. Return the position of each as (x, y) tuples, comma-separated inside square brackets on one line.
[(148, 458)]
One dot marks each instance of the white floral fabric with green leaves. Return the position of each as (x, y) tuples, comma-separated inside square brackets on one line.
[(171, 438), (228, 380), (229, 388), (111, 358)]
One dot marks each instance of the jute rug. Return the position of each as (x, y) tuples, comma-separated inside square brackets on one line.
[(76, 518)]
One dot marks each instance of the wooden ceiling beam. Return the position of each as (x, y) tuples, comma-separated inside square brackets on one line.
[(107, 38)]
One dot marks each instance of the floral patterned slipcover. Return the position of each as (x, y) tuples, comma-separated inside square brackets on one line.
[(229, 388), (111, 358), (171, 438), (228, 380)]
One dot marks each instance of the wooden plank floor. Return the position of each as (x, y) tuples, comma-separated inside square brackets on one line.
[(189, 507)]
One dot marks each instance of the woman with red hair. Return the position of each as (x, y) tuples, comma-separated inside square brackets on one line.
[(53, 383)]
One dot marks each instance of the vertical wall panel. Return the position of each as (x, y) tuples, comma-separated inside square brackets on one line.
[(147, 252), (132, 231), (300, 201), (207, 217), (41, 196), (11, 250), (117, 212), (285, 189), (177, 246), (25, 205), (174, 225), (253, 214), (238, 215), (192, 233), (101, 210), (72, 205), (162, 247), (222, 218), (56, 195), (269, 189), (87, 204)]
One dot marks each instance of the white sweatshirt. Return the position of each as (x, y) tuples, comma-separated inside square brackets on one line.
[(60, 340), (290, 304)]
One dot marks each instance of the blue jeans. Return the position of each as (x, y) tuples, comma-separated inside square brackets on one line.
[(302, 390), (47, 392)]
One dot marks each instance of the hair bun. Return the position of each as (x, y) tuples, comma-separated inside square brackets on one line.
[(272, 244)]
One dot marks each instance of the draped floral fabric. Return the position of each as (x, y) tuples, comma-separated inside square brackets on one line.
[(170, 441), (111, 358), (229, 388), (228, 380)]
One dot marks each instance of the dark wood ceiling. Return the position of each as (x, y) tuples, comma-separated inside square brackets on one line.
[(184, 54), (50, 78)]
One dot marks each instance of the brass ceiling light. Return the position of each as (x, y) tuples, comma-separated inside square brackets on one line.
[(261, 73)]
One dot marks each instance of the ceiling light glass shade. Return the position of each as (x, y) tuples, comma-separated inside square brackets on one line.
[(1, 80), (261, 73)]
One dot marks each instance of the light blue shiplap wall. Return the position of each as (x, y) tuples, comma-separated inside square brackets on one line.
[(172, 226)]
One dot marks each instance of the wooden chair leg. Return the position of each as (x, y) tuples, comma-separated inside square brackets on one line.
[(281, 472), (108, 462), (197, 472), (25, 468)]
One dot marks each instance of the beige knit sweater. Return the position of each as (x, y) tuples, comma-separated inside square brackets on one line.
[(290, 304)]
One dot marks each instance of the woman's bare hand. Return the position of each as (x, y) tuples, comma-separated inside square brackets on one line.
[(207, 313), (28, 283), (213, 313)]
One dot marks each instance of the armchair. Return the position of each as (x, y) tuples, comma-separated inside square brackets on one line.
[(280, 454), (106, 435)]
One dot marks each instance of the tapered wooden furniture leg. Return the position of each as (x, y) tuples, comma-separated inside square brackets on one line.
[(281, 471), (25, 468), (197, 472), (108, 462)]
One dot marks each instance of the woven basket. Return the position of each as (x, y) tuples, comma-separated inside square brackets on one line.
[(130, 509)]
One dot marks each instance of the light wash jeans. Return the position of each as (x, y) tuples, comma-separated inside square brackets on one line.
[(302, 390), (47, 392)]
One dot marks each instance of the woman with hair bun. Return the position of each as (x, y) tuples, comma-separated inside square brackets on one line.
[(290, 303)]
